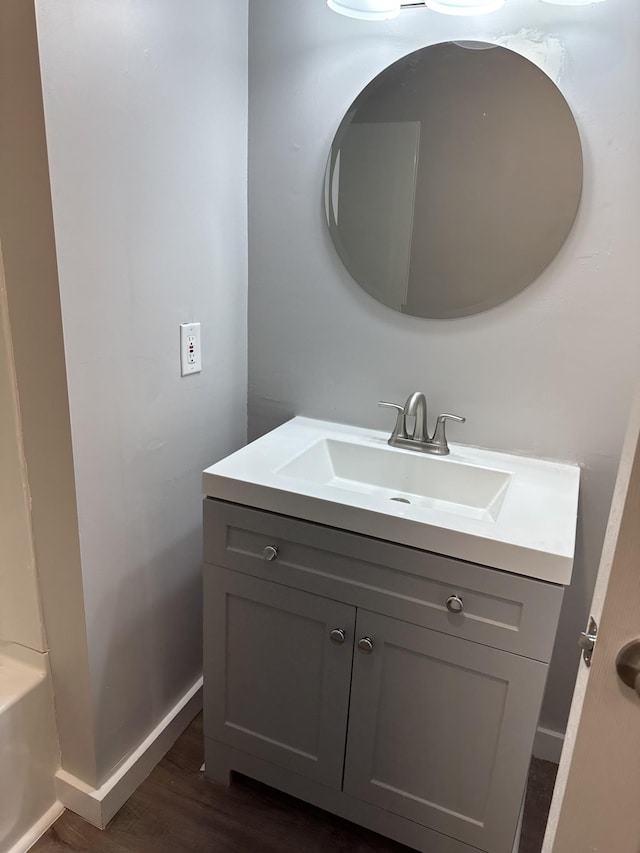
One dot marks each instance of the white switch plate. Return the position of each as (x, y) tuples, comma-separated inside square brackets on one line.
[(190, 355)]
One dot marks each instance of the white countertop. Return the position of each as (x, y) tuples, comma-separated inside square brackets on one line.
[(532, 534)]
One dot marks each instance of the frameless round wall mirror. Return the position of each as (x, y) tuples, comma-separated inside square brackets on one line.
[(453, 180)]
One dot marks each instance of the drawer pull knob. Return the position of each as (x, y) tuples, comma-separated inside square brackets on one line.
[(365, 644), (455, 604), (337, 636), (270, 552)]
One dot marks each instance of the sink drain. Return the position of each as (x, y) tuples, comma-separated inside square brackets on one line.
[(401, 500)]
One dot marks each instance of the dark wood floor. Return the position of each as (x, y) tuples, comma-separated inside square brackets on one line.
[(176, 810)]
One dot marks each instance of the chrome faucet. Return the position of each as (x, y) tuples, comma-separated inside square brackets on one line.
[(418, 439), (416, 407)]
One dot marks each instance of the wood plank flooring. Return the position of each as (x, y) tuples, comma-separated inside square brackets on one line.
[(177, 810)]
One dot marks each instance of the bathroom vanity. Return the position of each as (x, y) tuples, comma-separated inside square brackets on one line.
[(378, 627)]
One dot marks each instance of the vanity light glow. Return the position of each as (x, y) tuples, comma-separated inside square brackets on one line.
[(366, 10)]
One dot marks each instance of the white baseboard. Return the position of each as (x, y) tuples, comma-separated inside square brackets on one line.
[(38, 829), (99, 805), (548, 745)]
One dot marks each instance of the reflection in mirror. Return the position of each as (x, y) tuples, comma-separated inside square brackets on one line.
[(453, 180)]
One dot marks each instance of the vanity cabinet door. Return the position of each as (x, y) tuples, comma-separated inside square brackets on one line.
[(276, 679), (441, 730)]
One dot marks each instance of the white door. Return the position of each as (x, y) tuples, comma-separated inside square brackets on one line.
[(596, 804)]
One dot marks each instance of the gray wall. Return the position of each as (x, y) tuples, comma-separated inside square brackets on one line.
[(146, 117), (551, 372)]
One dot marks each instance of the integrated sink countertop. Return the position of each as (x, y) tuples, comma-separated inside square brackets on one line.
[(509, 512)]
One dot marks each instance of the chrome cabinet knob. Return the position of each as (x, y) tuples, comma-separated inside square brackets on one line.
[(455, 604), (337, 636), (270, 552), (365, 644), (628, 665)]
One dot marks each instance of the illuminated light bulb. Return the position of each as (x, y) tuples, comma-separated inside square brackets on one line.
[(572, 2), (464, 7), (366, 10)]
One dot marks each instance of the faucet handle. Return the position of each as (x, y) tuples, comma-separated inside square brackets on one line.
[(439, 439), (458, 418), (400, 429)]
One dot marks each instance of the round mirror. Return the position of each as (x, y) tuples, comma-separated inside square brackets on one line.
[(453, 180)]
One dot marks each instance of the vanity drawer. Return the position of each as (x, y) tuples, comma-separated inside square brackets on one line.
[(502, 610)]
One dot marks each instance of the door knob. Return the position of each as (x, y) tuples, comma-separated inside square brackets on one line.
[(628, 665), (270, 552), (337, 636), (365, 644)]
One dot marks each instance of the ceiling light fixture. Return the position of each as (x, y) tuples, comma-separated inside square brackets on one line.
[(385, 10), (572, 2), (464, 7), (366, 10)]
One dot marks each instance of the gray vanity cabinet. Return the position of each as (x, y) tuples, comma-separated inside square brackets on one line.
[(439, 730), (277, 685), (334, 671)]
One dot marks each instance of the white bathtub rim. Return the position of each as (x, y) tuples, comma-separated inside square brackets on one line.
[(17, 680), (25, 656), (29, 747)]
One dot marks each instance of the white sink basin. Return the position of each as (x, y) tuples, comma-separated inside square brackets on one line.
[(409, 478), (497, 509)]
